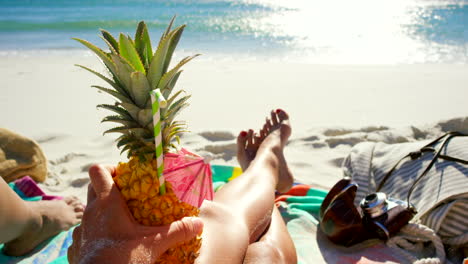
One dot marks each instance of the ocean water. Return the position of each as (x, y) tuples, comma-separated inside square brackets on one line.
[(312, 31)]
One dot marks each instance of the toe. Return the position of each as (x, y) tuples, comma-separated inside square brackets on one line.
[(274, 118), (70, 199), (242, 156), (268, 125), (79, 208), (264, 130), (76, 203), (250, 138), (282, 115), (241, 140)]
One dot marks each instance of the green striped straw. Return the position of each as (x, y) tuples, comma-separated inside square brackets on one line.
[(158, 102)]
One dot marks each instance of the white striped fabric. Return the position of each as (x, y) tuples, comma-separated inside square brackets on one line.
[(441, 197)]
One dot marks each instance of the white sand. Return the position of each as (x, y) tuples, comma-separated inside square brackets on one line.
[(47, 98)]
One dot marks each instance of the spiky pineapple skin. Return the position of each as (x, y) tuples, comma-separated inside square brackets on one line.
[(139, 185)]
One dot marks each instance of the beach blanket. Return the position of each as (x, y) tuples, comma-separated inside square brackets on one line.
[(299, 208)]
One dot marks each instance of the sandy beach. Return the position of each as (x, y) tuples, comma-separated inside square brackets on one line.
[(332, 107), (346, 72)]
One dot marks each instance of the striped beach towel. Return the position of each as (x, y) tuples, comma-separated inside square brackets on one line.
[(440, 197)]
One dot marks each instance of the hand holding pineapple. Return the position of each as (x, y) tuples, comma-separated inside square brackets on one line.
[(118, 238), (134, 72)]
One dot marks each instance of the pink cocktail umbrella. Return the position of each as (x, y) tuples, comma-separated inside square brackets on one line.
[(190, 177)]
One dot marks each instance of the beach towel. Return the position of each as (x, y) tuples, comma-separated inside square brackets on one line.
[(440, 197)]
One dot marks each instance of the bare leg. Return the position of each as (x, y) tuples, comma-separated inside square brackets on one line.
[(241, 211), (24, 225), (275, 246)]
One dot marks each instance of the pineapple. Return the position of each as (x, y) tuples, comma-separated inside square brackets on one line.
[(134, 70)]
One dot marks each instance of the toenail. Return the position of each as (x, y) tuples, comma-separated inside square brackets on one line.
[(243, 134), (279, 110)]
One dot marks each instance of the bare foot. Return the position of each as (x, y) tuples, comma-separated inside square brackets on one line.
[(272, 137), (247, 146), (49, 219)]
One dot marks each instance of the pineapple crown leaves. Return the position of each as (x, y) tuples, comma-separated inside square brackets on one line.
[(163, 56), (174, 108), (172, 131), (143, 44), (134, 71)]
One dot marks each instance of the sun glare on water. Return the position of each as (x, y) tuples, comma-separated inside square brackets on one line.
[(365, 31), (335, 32)]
